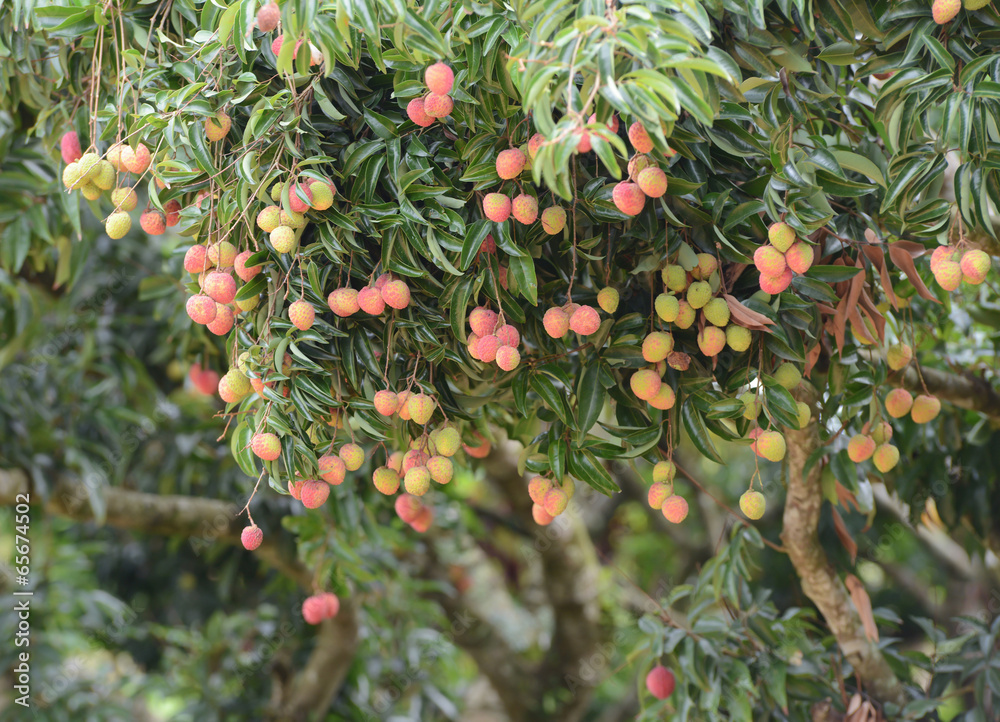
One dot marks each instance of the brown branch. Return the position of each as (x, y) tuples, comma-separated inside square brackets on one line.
[(819, 580)]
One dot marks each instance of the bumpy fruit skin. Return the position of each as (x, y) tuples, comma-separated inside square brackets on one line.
[(386, 480), (124, 199), (898, 356), (886, 457), (666, 306), (788, 375), (553, 220), (752, 504), (441, 469), (711, 340), (556, 322), (675, 509), (585, 321), (781, 236), (173, 211), (438, 106), (699, 294), (268, 17), (799, 257), (637, 164), (538, 487), (675, 278), (805, 414), (104, 176), (332, 469), (244, 271), (396, 294), (657, 346), (222, 254), (296, 202), (717, 312), (770, 445), (555, 502), (251, 537), (769, 261), (153, 223), (628, 198), (685, 315), (510, 163), (201, 309), (738, 338), (283, 239), (656, 495), (645, 384), (417, 481), (776, 284), (486, 348), (751, 405), (136, 161), (266, 446), (975, 4), (664, 471), (898, 403), (664, 399), (301, 314), (72, 177), (421, 408), (482, 321), (925, 408), (439, 78), (652, 181), (268, 219), (945, 10), (497, 207), (975, 265), (386, 402), (91, 192), (69, 147), (948, 275), (224, 320), (607, 299), (447, 441), (508, 358), (707, 265), (415, 112), (117, 225), (293, 219), (343, 302), (525, 209), (220, 287), (639, 138), (507, 335), (534, 143), (370, 301), (216, 128), (660, 682), (860, 448)]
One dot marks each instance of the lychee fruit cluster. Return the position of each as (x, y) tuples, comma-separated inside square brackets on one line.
[(304, 194), (781, 258), (319, 607), (493, 340), (644, 178), (560, 320), (413, 511), (951, 267), (922, 409), (205, 381), (437, 103), (661, 494), (372, 299), (874, 444), (549, 498)]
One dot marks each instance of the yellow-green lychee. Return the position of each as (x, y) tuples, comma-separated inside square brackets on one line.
[(104, 176), (881, 432), (751, 405), (124, 199), (664, 471), (753, 503), (90, 192), (117, 225), (674, 278), (898, 403), (738, 338), (788, 375), (886, 457), (770, 445), (898, 355), (607, 299), (657, 346), (805, 414), (717, 312), (860, 448), (925, 408), (781, 236), (699, 294), (667, 307)]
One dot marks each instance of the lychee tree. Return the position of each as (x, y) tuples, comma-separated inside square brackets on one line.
[(413, 238)]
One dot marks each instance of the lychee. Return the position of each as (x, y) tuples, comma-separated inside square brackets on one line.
[(124, 199), (386, 402), (674, 508), (881, 432), (776, 284), (945, 10), (707, 265), (751, 405), (386, 480), (482, 450), (738, 338), (860, 448), (781, 236), (396, 294), (343, 302), (173, 211), (153, 223), (482, 321), (699, 294), (541, 517), (770, 445), (322, 193), (301, 314), (403, 411), (898, 356), (898, 403), (525, 209), (628, 198), (196, 259), (88, 165), (886, 457), (975, 265), (948, 275), (446, 440), (220, 286), (69, 147), (299, 198), (421, 408), (266, 446), (251, 537), (799, 258), (417, 481), (667, 307), (711, 340), (556, 322), (441, 469), (485, 349), (664, 399), (664, 471), (788, 375), (538, 487), (439, 78), (117, 225), (585, 321), (72, 178), (244, 271), (805, 414), (555, 502), (553, 220), (507, 335), (282, 239), (685, 315), (290, 218), (639, 138), (438, 106), (332, 469), (752, 503), (510, 163), (268, 17), (657, 346), (415, 112), (508, 358), (658, 492), (717, 312), (408, 507), (769, 261), (645, 384), (136, 160), (223, 321), (652, 181), (217, 127), (103, 176), (201, 309), (674, 278), (222, 254), (925, 408), (320, 606), (607, 299)]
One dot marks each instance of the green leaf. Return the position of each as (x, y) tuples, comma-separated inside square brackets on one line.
[(589, 400), (699, 435)]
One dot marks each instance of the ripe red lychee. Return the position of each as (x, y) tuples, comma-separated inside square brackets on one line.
[(370, 301), (541, 517), (386, 402), (301, 314), (251, 537), (657, 346), (196, 259), (386, 480), (482, 321), (268, 17), (507, 335), (224, 320), (628, 198), (752, 504), (799, 257), (69, 147), (497, 207), (408, 507), (220, 286), (314, 494), (640, 138), (332, 469), (482, 450), (652, 181), (423, 521), (439, 78), (660, 682), (555, 502), (204, 380), (173, 211), (675, 509), (975, 265), (343, 302), (711, 340), (556, 322), (415, 112), (244, 271), (438, 106), (585, 321), (135, 160), (583, 144), (534, 143), (657, 494), (770, 445), (510, 163), (486, 348), (553, 220), (776, 284), (898, 403), (319, 607), (403, 411), (945, 10), (645, 384), (860, 448), (769, 261), (925, 408), (201, 309), (525, 209), (299, 198), (413, 458), (538, 487), (396, 294), (508, 358), (266, 446)]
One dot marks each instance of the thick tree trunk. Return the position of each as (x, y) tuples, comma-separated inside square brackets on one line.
[(819, 580)]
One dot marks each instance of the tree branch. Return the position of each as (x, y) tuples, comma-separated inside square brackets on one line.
[(819, 581)]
